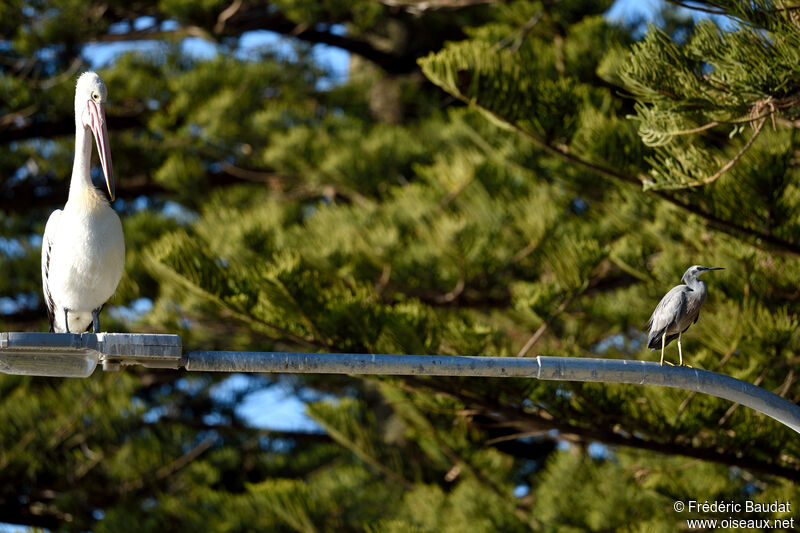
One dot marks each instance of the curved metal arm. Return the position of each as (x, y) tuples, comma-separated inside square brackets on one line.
[(76, 355), (542, 367)]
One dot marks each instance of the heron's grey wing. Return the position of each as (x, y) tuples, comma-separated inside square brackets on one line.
[(47, 244), (667, 312)]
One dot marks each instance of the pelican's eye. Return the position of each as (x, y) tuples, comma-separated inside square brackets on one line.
[(96, 96)]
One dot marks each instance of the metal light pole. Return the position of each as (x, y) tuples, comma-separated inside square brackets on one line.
[(77, 355)]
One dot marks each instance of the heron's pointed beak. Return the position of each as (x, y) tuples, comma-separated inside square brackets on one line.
[(97, 123), (714, 268)]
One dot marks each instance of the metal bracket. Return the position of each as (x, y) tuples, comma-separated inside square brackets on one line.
[(77, 354)]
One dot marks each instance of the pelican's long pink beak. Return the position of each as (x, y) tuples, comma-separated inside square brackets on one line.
[(97, 122)]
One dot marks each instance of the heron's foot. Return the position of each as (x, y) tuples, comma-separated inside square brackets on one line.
[(96, 320), (687, 365), (670, 364)]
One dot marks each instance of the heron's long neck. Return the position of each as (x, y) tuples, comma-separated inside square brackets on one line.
[(696, 285), (81, 184)]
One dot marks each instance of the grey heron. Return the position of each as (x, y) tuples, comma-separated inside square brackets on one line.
[(677, 310), (83, 249)]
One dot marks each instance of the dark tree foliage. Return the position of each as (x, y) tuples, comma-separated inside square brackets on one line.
[(492, 178)]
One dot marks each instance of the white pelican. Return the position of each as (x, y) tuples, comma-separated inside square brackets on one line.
[(83, 249)]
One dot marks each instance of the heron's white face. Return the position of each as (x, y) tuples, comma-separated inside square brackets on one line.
[(90, 112), (695, 270)]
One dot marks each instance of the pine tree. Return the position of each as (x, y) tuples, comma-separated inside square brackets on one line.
[(506, 179)]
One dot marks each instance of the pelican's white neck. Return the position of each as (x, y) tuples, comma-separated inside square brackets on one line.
[(81, 182)]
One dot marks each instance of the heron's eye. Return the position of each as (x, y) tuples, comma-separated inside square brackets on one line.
[(95, 97)]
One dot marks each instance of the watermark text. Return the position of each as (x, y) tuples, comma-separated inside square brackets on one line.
[(729, 508)]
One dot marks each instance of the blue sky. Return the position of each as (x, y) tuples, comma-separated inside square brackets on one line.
[(633, 9)]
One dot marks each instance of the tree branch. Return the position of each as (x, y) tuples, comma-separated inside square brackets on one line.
[(27, 195), (168, 469), (695, 7), (419, 7), (265, 18), (725, 226), (66, 126), (533, 422), (34, 514), (24, 317), (546, 324), (727, 166)]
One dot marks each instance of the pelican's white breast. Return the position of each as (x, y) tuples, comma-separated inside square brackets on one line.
[(87, 256)]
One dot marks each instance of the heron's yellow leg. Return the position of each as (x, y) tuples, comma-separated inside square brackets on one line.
[(680, 354)]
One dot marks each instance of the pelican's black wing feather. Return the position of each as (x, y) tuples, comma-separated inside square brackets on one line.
[(47, 245)]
